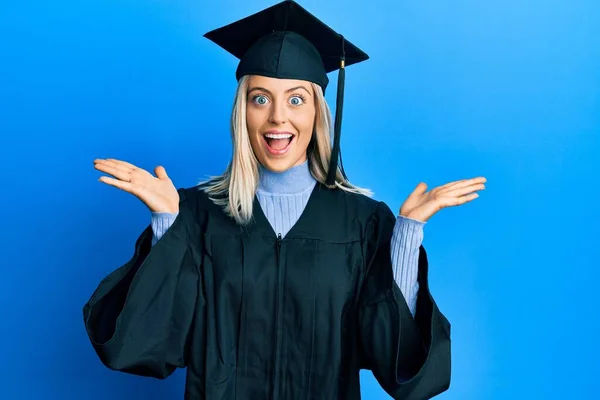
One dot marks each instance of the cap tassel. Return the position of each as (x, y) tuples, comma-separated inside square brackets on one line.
[(337, 130)]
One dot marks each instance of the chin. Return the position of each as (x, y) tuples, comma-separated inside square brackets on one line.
[(277, 165)]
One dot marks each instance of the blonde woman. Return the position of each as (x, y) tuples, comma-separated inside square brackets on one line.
[(278, 279)]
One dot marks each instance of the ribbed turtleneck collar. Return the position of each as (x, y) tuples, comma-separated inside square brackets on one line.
[(297, 179)]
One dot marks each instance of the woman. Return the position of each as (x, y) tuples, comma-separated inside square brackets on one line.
[(278, 279)]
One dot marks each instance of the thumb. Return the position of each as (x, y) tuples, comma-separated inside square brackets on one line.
[(160, 172), (420, 189)]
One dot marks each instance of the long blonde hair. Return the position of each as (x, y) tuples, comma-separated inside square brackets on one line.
[(235, 189)]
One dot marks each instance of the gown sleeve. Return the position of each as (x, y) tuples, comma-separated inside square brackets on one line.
[(409, 357), (140, 316)]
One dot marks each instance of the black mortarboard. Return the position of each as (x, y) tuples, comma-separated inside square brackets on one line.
[(286, 41)]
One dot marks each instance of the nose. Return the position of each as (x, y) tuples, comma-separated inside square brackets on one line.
[(278, 114)]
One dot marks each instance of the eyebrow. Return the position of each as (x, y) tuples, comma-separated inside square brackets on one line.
[(269, 92)]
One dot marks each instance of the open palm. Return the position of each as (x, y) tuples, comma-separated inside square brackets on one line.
[(422, 205), (157, 193)]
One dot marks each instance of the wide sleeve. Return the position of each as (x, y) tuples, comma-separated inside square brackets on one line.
[(409, 357), (140, 317)]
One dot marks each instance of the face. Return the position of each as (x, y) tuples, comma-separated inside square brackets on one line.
[(280, 116)]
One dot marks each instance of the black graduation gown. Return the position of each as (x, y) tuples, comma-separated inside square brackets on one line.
[(254, 316)]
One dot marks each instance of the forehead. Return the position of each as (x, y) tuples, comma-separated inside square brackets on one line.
[(277, 84)]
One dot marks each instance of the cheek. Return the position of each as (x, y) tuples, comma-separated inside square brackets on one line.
[(254, 121), (251, 119), (306, 125)]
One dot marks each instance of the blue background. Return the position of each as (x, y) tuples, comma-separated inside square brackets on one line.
[(506, 89)]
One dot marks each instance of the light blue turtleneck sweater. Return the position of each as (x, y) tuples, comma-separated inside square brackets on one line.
[(283, 197)]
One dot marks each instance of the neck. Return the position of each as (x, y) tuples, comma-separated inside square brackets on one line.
[(294, 180)]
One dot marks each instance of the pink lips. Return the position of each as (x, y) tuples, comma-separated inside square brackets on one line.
[(276, 152)]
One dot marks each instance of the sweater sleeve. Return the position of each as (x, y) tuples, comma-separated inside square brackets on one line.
[(161, 222), (406, 240), (410, 356)]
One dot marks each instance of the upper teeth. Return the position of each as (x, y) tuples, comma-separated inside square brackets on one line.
[(279, 135)]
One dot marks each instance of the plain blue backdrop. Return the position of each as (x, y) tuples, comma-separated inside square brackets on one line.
[(454, 89)]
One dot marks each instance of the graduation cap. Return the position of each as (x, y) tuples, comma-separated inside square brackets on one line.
[(286, 41)]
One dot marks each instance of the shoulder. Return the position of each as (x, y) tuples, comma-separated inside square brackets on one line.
[(364, 210), (358, 204), (195, 200)]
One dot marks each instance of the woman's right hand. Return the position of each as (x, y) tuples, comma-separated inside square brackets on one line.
[(157, 193)]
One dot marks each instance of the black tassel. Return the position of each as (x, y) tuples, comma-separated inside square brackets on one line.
[(337, 129)]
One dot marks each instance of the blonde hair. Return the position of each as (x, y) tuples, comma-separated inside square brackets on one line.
[(235, 189)]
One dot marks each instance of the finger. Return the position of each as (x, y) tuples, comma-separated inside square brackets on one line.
[(124, 175), (465, 182), (126, 168), (461, 184), (461, 191), (419, 189), (450, 184), (457, 201), (119, 184), (122, 163), (160, 172), (133, 170), (113, 168)]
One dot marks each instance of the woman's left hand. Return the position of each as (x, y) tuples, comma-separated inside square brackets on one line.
[(421, 205)]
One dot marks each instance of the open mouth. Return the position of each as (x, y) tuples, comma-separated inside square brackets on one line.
[(278, 142)]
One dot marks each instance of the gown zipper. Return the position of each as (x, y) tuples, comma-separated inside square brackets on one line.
[(278, 330)]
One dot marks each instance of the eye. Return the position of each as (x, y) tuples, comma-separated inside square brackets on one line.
[(297, 100), (260, 99)]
